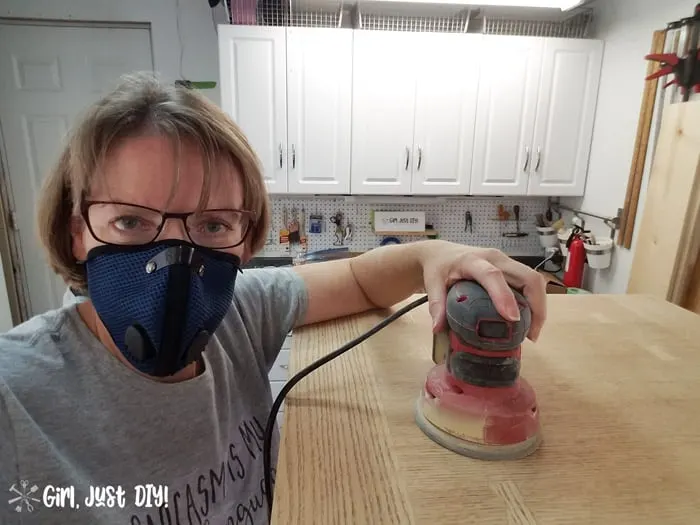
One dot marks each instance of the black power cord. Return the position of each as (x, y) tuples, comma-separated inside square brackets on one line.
[(269, 428)]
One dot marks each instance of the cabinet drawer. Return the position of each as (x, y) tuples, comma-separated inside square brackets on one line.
[(280, 369), (276, 387)]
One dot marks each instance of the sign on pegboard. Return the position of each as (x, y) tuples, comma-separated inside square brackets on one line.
[(399, 221)]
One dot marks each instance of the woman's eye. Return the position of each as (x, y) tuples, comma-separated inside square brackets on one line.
[(214, 227), (128, 223)]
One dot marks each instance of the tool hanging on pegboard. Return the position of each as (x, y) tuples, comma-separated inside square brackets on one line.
[(686, 70), (468, 222)]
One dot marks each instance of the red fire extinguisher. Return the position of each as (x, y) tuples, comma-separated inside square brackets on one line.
[(575, 260)]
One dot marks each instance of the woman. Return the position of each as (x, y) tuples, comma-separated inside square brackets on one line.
[(156, 201)]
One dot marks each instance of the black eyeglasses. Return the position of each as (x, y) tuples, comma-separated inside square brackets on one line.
[(129, 224)]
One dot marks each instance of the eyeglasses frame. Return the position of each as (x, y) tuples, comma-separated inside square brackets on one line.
[(86, 204)]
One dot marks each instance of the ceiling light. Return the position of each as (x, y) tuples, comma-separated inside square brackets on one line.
[(570, 4)]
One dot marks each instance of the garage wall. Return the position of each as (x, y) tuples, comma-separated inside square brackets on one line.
[(626, 26), (196, 39), (190, 52)]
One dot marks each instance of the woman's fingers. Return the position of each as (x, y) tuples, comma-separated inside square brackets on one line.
[(495, 283), (437, 295), (535, 292), (496, 273), (532, 285)]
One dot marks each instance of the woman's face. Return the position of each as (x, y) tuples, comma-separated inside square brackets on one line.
[(142, 171)]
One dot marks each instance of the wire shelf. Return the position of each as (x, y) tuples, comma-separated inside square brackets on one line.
[(574, 27), (283, 13), (416, 24)]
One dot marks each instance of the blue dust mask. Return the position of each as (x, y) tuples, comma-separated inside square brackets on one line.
[(161, 302)]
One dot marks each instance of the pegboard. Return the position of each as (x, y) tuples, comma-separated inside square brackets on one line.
[(446, 216)]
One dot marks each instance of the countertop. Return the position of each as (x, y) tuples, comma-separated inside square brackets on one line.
[(618, 385), (280, 259)]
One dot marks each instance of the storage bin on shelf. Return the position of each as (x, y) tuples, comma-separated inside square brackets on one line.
[(548, 236), (563, 236), (599, 255)]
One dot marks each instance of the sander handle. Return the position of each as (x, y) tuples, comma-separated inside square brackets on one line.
[(472, 315)]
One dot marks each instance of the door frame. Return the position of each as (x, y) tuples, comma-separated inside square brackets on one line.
[(10, 248), (12, 262)]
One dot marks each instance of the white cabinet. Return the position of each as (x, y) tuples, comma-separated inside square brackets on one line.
[(319, 99), (383, 99), (279, 374), (445, 109), (508, 81), (565, 113), (289, 89), (339, 111), (253, 92), (535, 114), (413, 109)]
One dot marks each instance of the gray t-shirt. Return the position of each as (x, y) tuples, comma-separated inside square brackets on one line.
[(72, 415)]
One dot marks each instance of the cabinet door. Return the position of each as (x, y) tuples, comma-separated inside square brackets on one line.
[(253, 91), (507, 102), (384, 86), (565, 115), (319, 80), (446, 96)]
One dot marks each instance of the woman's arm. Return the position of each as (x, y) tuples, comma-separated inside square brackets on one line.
[(384, 276)]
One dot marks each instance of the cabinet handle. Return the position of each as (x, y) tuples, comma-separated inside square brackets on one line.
[(527, 158), (420, 156), (294, 157), (280, 155), (408, 157), (539, 158), (284, 366)]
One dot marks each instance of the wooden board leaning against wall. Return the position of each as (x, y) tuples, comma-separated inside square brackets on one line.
[(667, 256), (692, 299), (656, 96), (641, 145)]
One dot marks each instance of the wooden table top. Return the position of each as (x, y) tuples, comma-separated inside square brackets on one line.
[(618, 385)]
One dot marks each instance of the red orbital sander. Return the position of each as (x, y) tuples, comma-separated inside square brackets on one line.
[(474, 401)]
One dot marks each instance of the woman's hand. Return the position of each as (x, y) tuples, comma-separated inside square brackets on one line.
[(446, 263)]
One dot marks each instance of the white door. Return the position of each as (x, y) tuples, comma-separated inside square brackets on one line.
[(319, 101), (565, 115), (446, 96), (48, 74), (508, 86), (254, 92), (383, 99)]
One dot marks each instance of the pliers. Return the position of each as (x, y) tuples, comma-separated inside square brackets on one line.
[(685, 77)]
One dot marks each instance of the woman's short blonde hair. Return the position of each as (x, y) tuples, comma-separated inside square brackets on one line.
[(139, 103)]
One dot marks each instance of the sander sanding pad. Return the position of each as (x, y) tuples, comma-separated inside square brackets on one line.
[(488, 452), (480, 422)]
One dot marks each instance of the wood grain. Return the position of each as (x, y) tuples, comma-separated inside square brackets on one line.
[(668, 240), (689, 249), (692, 298), (641, 145), (617, 384)]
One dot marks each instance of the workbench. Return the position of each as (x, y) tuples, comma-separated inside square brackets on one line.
[(618, 385)]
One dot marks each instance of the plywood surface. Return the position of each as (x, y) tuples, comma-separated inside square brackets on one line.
[(669, 235), (617, 384)]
